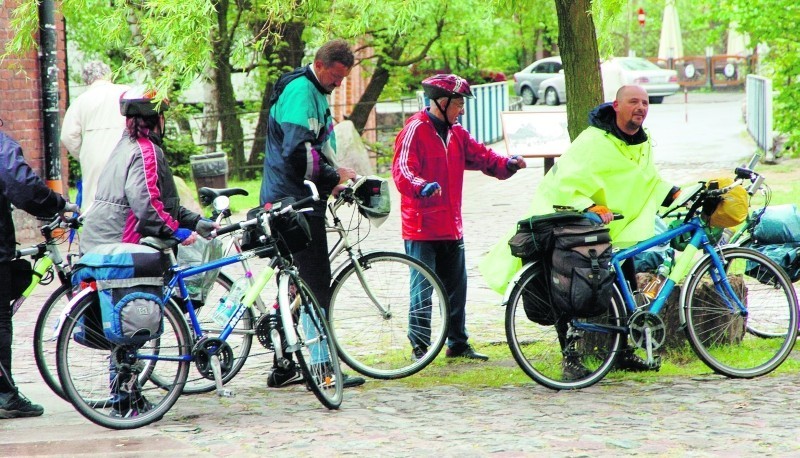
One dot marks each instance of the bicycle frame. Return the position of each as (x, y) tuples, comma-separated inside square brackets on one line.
[(683, 263)]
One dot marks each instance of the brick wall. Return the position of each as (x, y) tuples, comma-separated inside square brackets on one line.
[(21, 107)]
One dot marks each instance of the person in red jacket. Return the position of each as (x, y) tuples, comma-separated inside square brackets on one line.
[(431, 154)]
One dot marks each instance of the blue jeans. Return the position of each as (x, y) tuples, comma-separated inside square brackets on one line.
[(446, 258)]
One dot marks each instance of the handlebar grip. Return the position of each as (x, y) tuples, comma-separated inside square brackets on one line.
[(226, 230)]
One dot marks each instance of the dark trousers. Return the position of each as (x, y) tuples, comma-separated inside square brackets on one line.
[(446, 258), (6, 328), (315, 269)]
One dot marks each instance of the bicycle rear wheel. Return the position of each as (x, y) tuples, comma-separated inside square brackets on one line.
[(412, 306), (316, 352), (240, 340), (718, 332), (555, 351), (45, 339), (107, 383)]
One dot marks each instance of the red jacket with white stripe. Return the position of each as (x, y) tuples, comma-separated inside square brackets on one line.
[(421, 157)]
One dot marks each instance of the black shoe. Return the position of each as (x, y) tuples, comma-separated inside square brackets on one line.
[(15, 405), (465, 352), (352, 381), (126, 408), (279, 378), (418, 352), (573, 369), (628, 361)]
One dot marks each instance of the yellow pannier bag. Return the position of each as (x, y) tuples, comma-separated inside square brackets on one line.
[(731, 208)]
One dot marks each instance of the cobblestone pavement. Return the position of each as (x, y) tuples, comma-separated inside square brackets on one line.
[(700, 416)]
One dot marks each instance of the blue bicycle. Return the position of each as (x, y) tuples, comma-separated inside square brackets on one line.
[(149, 378), (727, 291)]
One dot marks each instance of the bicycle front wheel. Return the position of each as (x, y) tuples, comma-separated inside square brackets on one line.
[(107, 383), (316, 352), (555, 351), (45, 338), (383, 305), (718, 331)]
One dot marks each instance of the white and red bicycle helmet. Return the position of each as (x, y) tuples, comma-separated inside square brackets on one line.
[(450, 86)]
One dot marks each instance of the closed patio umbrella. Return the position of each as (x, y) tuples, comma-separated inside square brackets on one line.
[(671, 44)]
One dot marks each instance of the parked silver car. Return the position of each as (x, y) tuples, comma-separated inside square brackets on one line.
[(526, 82), (617, 72)]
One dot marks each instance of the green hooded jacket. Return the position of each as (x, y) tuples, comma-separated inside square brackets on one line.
[(600, 167)]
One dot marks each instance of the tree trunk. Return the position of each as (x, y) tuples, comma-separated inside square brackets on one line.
[(231, 126), (365, 105), (289, 56), (578, 44)]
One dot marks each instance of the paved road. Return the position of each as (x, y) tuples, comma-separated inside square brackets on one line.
[(702, 416)]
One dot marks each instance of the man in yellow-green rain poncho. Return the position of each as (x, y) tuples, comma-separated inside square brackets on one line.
[(607, 169)]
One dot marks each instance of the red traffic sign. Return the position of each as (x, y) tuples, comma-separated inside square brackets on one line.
[(641, 16)]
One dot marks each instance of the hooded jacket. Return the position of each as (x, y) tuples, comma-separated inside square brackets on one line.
[(603, 166), (301, 144), (20, 186), (421, 157), (136, 197)]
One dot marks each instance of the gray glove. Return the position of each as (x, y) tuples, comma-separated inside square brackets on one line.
[(204, 228), (71, 208)]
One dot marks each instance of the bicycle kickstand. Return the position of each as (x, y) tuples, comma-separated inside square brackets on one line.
[(215, 368)]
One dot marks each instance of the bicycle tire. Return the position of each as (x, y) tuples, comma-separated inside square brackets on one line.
[(45, 340), (537, 346), (85, 375), (719, 335), (377, 344), (240, 340), (316, 352)]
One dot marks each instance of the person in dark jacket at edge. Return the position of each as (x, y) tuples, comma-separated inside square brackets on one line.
[(22, 188)]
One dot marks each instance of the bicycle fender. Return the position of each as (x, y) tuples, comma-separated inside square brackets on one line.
[(515, 279), (71, 305)]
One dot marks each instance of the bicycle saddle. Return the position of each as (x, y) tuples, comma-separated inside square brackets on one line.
[(207, 195)]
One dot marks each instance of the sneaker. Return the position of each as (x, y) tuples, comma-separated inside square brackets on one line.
[(279, 378), (418, 352), (465, 352), (573, 369), (629, 361), (15, 405)]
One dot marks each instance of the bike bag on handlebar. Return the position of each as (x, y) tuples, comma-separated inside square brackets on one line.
[(290, 230)]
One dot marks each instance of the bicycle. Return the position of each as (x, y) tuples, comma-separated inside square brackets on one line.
[(295, 325), (719, 300), (381, 300), (49, 265)]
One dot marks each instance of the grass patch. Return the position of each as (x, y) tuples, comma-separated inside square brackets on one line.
[(502, 370)]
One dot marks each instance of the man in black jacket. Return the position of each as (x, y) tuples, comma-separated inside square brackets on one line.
[(20, 186)]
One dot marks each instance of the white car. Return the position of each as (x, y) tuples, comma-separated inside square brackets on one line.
[(526, 81), (617, 72)]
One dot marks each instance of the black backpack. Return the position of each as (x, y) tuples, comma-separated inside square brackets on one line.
[(581, 281)]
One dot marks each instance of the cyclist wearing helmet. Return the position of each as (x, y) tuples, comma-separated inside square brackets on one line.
[(136, 194), (431, 154)]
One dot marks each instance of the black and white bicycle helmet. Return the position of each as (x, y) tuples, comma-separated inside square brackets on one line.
[(139, 101), (373, 200)]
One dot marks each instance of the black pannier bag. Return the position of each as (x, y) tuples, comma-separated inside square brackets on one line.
[(290, 230), (534, 241), (580, 279)]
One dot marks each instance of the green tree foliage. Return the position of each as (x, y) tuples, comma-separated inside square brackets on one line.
[(772, 23)]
